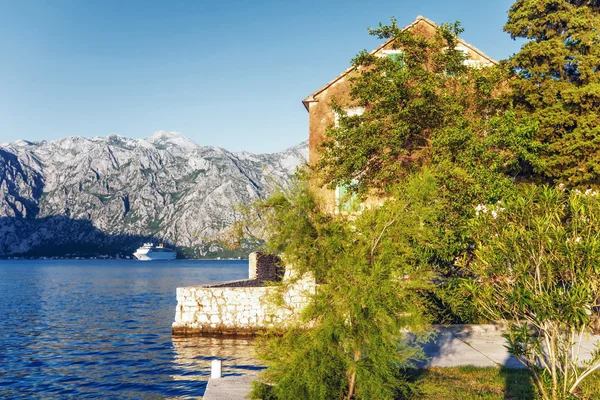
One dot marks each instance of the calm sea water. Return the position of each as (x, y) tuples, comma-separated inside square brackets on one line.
[(102, 329)]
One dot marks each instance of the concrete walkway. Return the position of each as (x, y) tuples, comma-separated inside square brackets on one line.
[(480, 346), (229, 388), (454, 346), (461, 345)]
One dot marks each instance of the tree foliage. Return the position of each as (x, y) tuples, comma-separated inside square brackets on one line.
[(427, 108), (537, 267), (431, 111), (349, 342), (404, 103), (556, 82)]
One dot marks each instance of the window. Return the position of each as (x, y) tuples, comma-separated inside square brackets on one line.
[(394, 55), (346, 200), (474, 63), (350, 112), (467, 58)]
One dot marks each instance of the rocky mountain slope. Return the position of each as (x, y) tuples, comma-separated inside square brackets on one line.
[(84, 197)]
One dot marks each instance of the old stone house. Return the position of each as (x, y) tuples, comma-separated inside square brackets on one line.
[(321, 116)]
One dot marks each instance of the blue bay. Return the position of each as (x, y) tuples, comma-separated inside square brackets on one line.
[(102, 329)]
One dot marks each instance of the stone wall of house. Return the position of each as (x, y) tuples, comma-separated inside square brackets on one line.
[(239, 307)]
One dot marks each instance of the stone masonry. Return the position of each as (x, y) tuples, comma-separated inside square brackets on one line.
[(241, 307), (265, 267)]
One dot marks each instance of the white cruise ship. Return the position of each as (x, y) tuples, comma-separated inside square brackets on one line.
[(150, 252)]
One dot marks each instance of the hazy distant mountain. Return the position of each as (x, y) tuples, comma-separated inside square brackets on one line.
[(106, 195)]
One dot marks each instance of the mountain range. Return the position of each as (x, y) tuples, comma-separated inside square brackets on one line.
[(106, 195)]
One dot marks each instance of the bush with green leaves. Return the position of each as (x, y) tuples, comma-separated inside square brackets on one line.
[(537, 267)]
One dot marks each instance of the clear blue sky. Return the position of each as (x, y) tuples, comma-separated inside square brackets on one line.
[(224, 73)]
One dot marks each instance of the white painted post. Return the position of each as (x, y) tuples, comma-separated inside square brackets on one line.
[(253, 265), (215, 369)]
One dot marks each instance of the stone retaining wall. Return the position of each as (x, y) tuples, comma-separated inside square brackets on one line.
[(239, 307)]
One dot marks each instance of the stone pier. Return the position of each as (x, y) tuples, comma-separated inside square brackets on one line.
[(242, 307)]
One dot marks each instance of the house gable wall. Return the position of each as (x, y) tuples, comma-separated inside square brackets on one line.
[(321, 115)]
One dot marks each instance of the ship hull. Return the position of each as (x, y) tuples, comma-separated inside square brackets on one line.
[(155, 256)]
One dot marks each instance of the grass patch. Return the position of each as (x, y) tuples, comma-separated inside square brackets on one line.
[(467, 383), (471, 383)]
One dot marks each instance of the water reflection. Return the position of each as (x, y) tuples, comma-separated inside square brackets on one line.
[(102, 329), (193, 356)]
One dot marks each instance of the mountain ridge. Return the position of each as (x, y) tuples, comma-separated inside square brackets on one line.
[(165, 186)]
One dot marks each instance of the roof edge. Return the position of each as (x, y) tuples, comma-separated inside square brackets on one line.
[(311, 97)]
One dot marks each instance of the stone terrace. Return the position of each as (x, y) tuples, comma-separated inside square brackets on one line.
[(241, 307)]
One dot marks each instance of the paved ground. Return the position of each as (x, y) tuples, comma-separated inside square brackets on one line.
[(458, 345), (229, 388), (480, 346)]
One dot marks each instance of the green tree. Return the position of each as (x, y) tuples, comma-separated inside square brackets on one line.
[(404, 101), (425, 108), (556, 82), (349, 342), (537, 267), (429, 110)]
